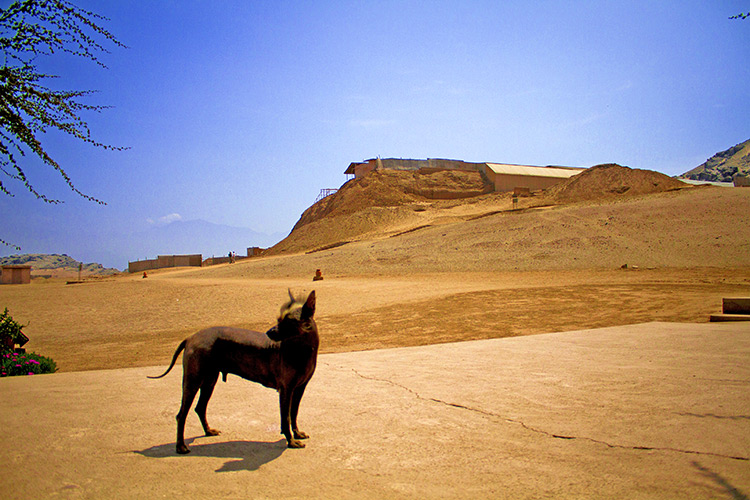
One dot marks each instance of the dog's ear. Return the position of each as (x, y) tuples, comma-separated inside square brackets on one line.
[(309, 308)]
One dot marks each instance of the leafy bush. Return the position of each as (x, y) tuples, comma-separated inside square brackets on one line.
[(17, 363), (14, 363), (10, 328)]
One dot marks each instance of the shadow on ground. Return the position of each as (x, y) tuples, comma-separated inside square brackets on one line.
[(721, 482), (248, 455)]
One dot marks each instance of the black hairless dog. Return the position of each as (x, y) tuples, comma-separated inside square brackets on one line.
[(283, 358)]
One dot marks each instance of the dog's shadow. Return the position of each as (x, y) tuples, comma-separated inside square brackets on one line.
[(248, 455)]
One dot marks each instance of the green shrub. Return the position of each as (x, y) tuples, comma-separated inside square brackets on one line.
[(19, 363), (10, 328), (14, 363)]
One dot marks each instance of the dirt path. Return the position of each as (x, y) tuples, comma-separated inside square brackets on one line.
[(130, 321)]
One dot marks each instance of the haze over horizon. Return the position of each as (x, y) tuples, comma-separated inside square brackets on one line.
[(238, 115)]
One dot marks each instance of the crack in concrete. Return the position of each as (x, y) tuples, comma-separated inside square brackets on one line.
[(713, 415), (541, 431)]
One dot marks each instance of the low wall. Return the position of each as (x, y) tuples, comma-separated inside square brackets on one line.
[(211, 261), (251, 252), (162, 261), (434, 164), (505, 182), (430, 163), (180, 260)]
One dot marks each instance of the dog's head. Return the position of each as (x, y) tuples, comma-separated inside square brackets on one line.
[(295, 318)]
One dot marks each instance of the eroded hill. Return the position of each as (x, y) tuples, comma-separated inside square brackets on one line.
[(611, 181), (56, 265), (386, 203)]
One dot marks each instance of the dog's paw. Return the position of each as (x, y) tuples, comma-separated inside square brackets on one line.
[(300, 435), (182, 449), (293, 443), (212, 432)]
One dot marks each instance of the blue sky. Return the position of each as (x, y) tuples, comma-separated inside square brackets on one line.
[(239, 112)]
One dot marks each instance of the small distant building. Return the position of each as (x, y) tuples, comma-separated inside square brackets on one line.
[(16, 274), (502, 176), (741, 180)]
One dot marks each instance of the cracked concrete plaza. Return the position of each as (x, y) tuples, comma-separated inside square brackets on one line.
[(657, 410)]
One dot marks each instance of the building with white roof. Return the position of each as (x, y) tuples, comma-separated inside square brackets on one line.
[(502, 176)]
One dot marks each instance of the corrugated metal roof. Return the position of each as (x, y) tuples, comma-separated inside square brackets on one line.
[(562, 173)]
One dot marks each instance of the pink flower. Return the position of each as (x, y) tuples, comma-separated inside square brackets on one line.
[(31, 373)]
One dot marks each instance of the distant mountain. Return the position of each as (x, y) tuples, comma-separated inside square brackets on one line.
[(115, 249), (39, 261), (722, 166)]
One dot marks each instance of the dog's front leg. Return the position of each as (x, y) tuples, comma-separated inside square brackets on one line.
[(285, 405)]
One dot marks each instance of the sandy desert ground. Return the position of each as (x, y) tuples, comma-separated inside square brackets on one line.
[(504, 273), (650, 411)]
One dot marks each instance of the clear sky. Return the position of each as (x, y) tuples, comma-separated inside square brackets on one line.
[(239, 112)]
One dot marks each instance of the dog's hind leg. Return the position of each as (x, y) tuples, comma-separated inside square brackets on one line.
[(207, 388), (285, 404), (189, 390), (296, 398), (192, 380)]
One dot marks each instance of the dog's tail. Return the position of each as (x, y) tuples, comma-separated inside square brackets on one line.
[(174, 358)]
